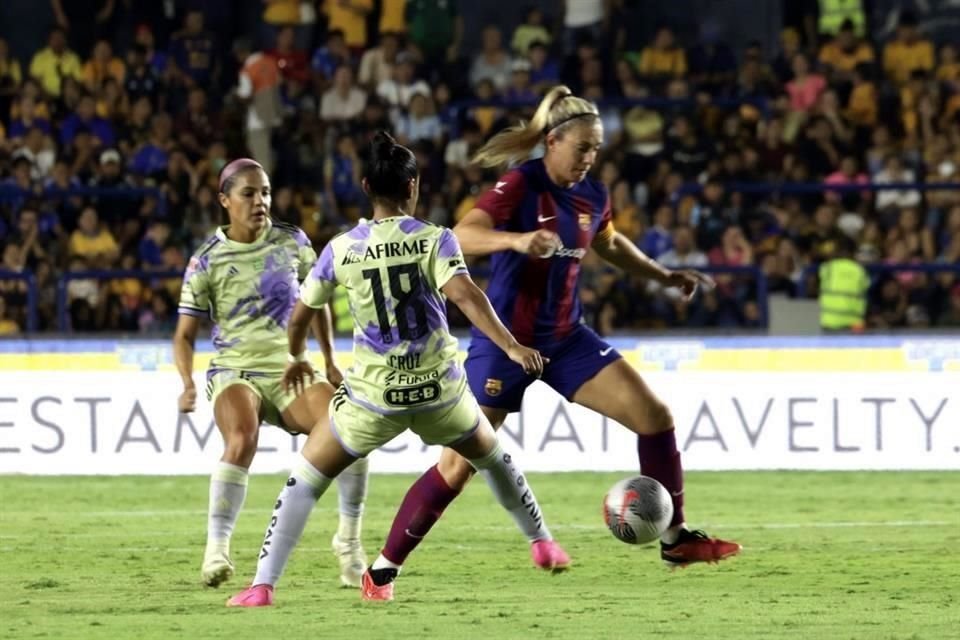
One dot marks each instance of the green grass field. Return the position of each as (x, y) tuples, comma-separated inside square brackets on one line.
[(826, 555)]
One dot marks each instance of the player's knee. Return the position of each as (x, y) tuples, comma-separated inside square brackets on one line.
[(240, 446), (659, 417), (456, 471)]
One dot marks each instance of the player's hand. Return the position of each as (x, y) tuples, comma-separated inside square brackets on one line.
[(530, 359), (187, 401), (541, 243), (334, 375), (296, 375), (687, 280)]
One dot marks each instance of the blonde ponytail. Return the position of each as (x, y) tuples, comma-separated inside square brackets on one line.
[(556, 109)]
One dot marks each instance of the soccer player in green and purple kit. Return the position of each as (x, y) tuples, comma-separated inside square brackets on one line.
[(406, 375), (246, 278)]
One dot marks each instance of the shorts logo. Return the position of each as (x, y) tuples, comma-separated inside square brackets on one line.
[(585, 220), (493, 387)]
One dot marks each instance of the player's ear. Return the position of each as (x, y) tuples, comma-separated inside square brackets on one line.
[(224, 200), (365, 186), (413, 188)]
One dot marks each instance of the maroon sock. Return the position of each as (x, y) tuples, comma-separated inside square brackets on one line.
[(421, 508), (660, 460)]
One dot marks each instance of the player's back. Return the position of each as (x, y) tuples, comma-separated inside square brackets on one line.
[(404, 355)]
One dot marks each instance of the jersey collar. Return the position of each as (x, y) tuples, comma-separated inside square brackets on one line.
[(221, 233)]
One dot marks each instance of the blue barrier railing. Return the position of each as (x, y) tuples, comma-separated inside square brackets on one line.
[(12, 193), (821, 187), (882, 268), (63, 319), (32, 294)]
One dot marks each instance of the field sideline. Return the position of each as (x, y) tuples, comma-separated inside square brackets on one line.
[(826, 555)]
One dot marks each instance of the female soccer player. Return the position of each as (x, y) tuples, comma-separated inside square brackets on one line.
[(406, 375), (246, 278), (538, 222)]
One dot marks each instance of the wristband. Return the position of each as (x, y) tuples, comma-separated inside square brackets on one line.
[(292, 359)]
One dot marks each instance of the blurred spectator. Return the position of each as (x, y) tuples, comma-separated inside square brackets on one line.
[(894, 172), (84, 20), (8, 326), (531, 30), (10, 79), (544, 72), (350, 17), (93, 242), (50, 65), (341, 174), (806, 87), (101, 66), (343, 101), (435, 28), (493, 61), (291, 61), (419, 123), (662, 59), (907, 52), (844, 53), (376, 66), (194, 53), (397, 90), (259, 88), (583, 18)]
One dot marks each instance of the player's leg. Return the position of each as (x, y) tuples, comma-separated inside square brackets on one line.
[(236, 410), (618, 392), (466, 430), (332, 446), (498, 384), (303, 412)]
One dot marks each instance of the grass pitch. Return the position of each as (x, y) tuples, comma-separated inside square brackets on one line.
[(826, 555)]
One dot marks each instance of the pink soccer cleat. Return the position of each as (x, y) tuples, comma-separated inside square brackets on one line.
[(373, 592), (549, 555), (259, 595)]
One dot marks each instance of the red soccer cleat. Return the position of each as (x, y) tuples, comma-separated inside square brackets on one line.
[(549, 555), (696, 546), (373, 592), (259, 595)]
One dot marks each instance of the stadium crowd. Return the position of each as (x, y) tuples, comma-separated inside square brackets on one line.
[(164, 105)]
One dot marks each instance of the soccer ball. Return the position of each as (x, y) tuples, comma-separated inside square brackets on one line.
[(637, 510)]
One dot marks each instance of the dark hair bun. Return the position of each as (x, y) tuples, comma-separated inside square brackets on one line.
[(382, 145)]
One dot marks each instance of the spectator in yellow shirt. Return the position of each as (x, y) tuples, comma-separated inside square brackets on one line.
[(908, 52), (844, 52), (663, 58), (350, 17), (862, 104), (8, 326), (93, 242), (392, 16), (55, 62), (101, 66)]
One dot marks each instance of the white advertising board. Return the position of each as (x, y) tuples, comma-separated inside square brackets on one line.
[(115, 422)]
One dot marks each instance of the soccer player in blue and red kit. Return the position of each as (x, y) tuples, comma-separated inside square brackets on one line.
[(537, 223)]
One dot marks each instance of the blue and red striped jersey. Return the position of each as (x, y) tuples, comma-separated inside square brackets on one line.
[(537, 298)]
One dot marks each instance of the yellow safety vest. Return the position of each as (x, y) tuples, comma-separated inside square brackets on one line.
[(843, 294), (834, 12), (343, 322)]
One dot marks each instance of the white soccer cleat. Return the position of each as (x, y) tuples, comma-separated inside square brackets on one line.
[(217, 568), (352, 559)]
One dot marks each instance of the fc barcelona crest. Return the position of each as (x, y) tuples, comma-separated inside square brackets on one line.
[(585, 220), (493, 387)]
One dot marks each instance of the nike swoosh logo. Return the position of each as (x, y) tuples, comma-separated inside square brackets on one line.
[(604, 352), (412, 535), (540, 218), (677, 494), (500, 184)]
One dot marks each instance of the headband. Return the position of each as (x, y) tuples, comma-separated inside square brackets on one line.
[(582, 114), (235, 167)]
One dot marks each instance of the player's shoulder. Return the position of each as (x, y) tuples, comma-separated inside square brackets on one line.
[(209, 247), (284, 231)]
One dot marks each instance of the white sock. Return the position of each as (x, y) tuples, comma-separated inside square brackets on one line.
[(512, 492), (352, 488), (228, 489), (672, 534), (294, 504), (383, 563)]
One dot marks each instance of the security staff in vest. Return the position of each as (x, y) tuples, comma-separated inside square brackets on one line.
[(843, 289), (833, 13)]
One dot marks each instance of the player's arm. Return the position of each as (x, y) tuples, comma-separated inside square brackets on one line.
[(322, 325), (478, 234), (618, 250), (184, 341), (463, 292)]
